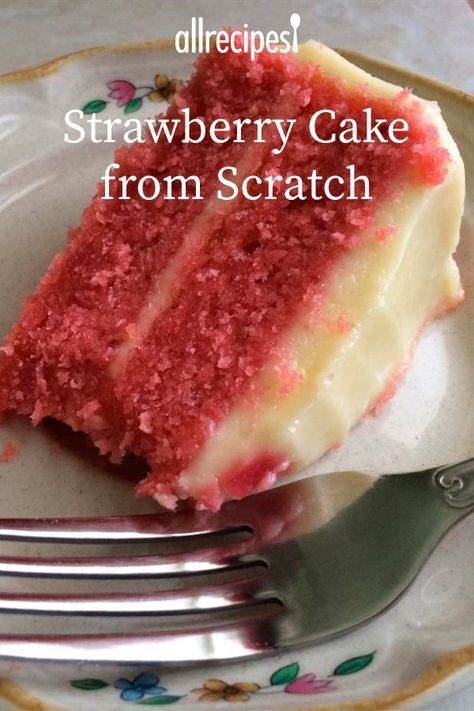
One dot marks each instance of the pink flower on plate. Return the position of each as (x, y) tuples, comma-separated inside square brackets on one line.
[(308, 684), (121, 90)]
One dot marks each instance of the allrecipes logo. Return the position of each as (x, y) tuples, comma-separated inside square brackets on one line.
[(252, 42)]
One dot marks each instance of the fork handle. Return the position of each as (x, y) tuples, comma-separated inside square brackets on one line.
[(456, 484)]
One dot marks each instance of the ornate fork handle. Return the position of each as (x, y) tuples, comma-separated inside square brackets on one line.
[(456, 482)]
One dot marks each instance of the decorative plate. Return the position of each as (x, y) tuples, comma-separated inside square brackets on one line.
[(421, 649)]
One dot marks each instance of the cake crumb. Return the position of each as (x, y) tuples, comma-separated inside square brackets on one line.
[(9, 453), (385, 233), (343, 324)]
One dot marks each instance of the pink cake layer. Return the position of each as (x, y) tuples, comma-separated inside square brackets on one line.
[(80, 352), (56, 360)]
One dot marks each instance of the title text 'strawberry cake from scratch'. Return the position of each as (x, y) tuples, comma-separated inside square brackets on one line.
[(233, 342)]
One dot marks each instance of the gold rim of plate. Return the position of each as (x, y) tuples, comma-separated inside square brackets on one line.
[(441, 668)]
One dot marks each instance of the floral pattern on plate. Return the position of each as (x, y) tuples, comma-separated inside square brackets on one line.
[(146, 689), (131, 97)]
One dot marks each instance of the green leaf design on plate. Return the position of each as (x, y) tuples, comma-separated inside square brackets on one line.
[(94, 106), (89, 684), (159, 700), (356, 664), (285, 674), (133, 105)]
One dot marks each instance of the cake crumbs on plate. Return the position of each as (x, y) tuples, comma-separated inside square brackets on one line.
[(9, 452)]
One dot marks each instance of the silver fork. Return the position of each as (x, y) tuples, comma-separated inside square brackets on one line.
[(297, 583)]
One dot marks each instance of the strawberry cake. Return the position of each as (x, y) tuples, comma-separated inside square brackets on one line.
[(233, 342)]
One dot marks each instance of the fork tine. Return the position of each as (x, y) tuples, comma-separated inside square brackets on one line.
[(210, 644), (201, 600), (145, 566), (124, 529)]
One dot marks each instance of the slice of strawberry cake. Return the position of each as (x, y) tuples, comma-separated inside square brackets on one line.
[(231, 342)]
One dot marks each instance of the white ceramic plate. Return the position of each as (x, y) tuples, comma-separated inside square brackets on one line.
[(421, 649)]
